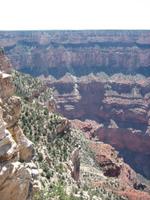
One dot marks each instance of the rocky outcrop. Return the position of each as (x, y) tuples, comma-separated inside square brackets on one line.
[(88, 127), (63, 126), (5, 64), (15, 182), (25, 146), (16, 178), (74, 165), (111, 164), (6, 87), (127, 182)]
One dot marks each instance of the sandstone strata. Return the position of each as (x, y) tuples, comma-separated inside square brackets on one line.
[(120, 104), (78, 52)]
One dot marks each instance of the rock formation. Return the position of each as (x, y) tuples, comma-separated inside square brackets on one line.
[(75, 164), (120, 104), (111, 163), (124, 179), (78, 52), (16, 178), (102, 76), (5, 64)]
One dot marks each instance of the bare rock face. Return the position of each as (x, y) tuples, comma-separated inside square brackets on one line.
[(63, 126), (16, 178), (111, 164), (26, 150), (88, 127), (119, 103), (12, 111), (5, 64), (122, 139), (78, 52), (8, 148), (15, 181), (120, 98), (6, 86)]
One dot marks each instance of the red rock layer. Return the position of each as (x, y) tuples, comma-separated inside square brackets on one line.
[(113, 166)]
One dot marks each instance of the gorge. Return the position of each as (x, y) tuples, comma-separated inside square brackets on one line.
[(103, 76)]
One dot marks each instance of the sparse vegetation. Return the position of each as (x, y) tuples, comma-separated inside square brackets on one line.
[(53, 149)]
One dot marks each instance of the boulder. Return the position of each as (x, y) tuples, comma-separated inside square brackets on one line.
[(11, 111), (8, 148), (15, 181), (26, 148)]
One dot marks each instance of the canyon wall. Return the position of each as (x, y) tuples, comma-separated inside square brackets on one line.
[(119, 101), (120, 104), (78, 52), (97, 75)]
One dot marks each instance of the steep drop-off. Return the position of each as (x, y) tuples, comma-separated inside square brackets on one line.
[(78, 52), (120, 104), (116, 94), (103, 174)]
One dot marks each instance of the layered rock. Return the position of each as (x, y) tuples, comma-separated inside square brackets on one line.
[(120, 98), (16, 178), (112, 164), (123, 178), (120, 104), (78, 52)]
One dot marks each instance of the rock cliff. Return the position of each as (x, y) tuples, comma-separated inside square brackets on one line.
[(119, 103), (78, 52), (16, 151), (97, 75)]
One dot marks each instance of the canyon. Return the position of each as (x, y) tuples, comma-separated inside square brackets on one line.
[(103, 76), (78, 52)]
